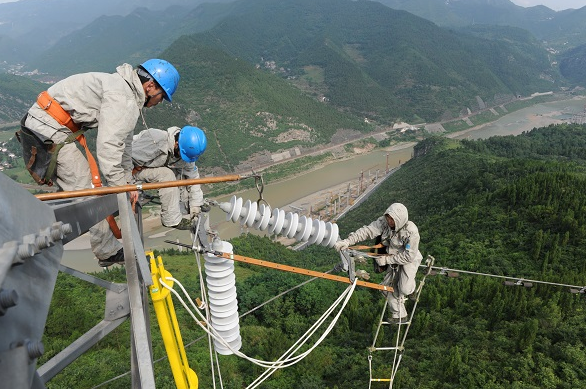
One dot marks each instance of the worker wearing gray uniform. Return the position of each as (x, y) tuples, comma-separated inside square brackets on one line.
[(401, 239), (109, 104), (160, 156)]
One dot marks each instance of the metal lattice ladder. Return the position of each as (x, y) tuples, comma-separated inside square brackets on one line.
[(400, 335)]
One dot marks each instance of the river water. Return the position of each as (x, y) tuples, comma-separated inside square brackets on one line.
[(78, 256)]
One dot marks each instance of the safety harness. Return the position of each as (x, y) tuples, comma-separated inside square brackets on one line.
[(53, 108)]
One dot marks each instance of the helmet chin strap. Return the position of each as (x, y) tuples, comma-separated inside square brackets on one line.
[(149, 97)]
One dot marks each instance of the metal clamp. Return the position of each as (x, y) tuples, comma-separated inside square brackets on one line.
[(260, 186)]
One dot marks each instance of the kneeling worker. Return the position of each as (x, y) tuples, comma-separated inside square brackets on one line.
[(401, 238), (170, 155)]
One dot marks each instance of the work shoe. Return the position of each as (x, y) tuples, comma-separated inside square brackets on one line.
[(399, 320), (184, 224), (114, 259)]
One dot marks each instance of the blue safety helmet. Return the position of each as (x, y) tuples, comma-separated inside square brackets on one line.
[(164, 74), (192, 143)]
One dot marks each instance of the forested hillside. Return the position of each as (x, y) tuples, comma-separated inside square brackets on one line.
[(17, 94), (573, 64), (377, 62), (512, 206), (244, 110), (560, 29), (99, 47)]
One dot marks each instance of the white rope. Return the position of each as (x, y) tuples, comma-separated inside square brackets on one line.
[(267, 364), (266, 374), (219, 338)]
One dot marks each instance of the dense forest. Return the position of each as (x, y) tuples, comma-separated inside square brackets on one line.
[(509, 206)]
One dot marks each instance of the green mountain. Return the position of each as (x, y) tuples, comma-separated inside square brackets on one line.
[(361, 57), (376, 62), (246, 111), (573, 65), (110, 40), (313, 72), (507, 206), (559, 29), (23, 22), (17, 94)]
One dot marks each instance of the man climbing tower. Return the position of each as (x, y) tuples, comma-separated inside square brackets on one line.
[(401, 240)]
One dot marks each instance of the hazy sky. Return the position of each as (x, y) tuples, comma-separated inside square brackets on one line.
[(553, 4)]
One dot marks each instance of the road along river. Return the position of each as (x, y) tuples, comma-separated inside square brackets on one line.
[(280, 195)]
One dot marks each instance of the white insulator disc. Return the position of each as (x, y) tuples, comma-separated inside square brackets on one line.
[(277, 221), (215, 312), (229, 336), (218, 260), (229, 210), (228, 321), (222, 297), (288, 224), (332, 235), (219, 291), (244, 212), (218, 304), (304, 229), (318, 232), (226, 307), (229, 325), (225, 292), (212, 268), (252, 214), (262, 221), (247, 212), (222, 350), (218, 271), (293, 225), (237, 209), (223, 281)]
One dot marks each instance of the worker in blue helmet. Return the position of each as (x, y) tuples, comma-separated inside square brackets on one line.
[(164, 77), (170, 155), (109, 104)]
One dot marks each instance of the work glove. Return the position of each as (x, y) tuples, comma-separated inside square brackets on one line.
[(194, 213), (383, 260), (342, 245)]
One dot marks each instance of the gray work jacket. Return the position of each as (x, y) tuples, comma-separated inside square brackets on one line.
[(402, 243), (155, 148), (110, 103)]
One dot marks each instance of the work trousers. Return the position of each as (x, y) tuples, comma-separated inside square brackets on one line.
[(171, 199), (73, 173), (402, 279)]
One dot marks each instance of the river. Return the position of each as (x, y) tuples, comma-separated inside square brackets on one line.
[(77, 254)]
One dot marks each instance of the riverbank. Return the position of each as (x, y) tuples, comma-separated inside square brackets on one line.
[(326, 180), (531, 120)]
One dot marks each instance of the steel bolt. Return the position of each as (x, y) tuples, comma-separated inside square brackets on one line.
[(8, 298)]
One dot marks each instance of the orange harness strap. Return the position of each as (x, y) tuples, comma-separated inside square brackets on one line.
[(136, 169), (53, 108)]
